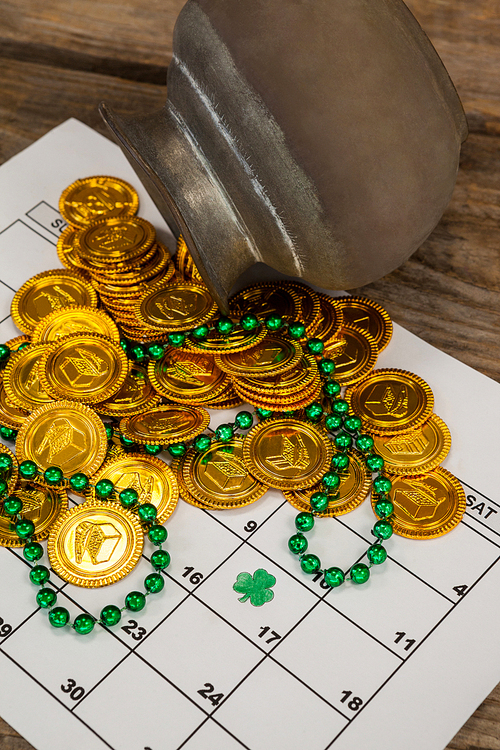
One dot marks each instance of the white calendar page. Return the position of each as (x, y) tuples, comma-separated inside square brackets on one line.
[(400, 662)]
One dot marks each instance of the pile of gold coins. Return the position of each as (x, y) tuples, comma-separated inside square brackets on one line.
[(123, 351)]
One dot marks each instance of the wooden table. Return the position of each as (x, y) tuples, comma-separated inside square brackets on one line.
[(59, 58)]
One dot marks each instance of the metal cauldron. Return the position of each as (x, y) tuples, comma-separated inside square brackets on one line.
[(320, 137)]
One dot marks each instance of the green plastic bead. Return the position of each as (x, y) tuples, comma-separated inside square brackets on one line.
[(147, 512), (135, 601), (46, 598), (343, 441), (110, 615), (331, 389), (84, 624), (319, 501), (360, 573), (340, 462), (176, 339), (202, 443), (6, 462), (352, 424), (243, 420), (273, 322), (200, 333), (384, 508), (249, 322), (157, 534), (160, 559), (296, 331), (297, 544), (304, 521), (310, 563), (376, 554), (28, 469), (374, 462), (104, 488), (24, 528), (137, 353), (3, 487), (4, 353), (53, 475), (33, 551), (382, 529), (153, 450), (315, 346), (314, 411), (12, 505), (7, 433), (58, 617), (154, 583), (23, 346), (326, 366), (333, 422), (124, 345), (155, 351), (177, 450), (224, 433), (331, 481), (224, 326), (109, 431), (128, 497), (364, 443), (334, 577), (340, 406), (382, 484), (263, 413), (39, 575), (126, 442)]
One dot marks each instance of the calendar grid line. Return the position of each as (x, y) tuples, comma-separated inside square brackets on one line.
[(480, 493), (8, 286), (469, 526), (91, 690), (36, 232), (172, 684), (205, 720), (14, 630)]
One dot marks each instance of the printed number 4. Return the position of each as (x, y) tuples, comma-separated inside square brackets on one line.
[(208, 692)]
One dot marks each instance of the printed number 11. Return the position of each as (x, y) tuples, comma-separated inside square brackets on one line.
[(409, 641)]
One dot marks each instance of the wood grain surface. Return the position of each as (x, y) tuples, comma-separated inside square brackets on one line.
[(58, 59)]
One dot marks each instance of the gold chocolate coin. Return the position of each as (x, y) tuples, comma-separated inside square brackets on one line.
[(152, 479), (185, 264), (41, 505), (18, 341), (390, 401), (355, 359), (237, 341), (286, 453), (272, 356), (165, 425), (134, 397), (417, 451), (49, 291), (21, 379), (10, 415), (63, 434), (354, 486), (66, 251), (94, 198), (187, 377), (291, 382), (369, 317), (268, 298), (83, 367), (95, 544), (308, 306), (75, 319), (426, 506), (115, 240), (329, 326), (13, 473), (177, 467), (177, 307), (219, 478)]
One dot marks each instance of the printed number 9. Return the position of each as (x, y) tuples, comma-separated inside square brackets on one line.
[(251, 526)]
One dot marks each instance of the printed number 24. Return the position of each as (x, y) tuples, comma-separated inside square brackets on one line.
[(207, 691)]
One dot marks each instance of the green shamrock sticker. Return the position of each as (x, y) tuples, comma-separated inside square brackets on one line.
[(256, 587)]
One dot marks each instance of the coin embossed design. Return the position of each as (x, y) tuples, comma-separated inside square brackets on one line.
[(114, 241), (219, 477), (368, 316), (428, 505), (152, 479), (64, 434), (21, 379), (237, 341), (268, 298), (187, 377), (95, 544), (11, 415), (93, 198), (272, 356), (354, 486), (134, 397), (331, 319), (83, 367), (177, 307), (390, 401), (75, 319), (417, 451), (41, 505), (287, 453), (49, 291), (354, 359), (165, 425)]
